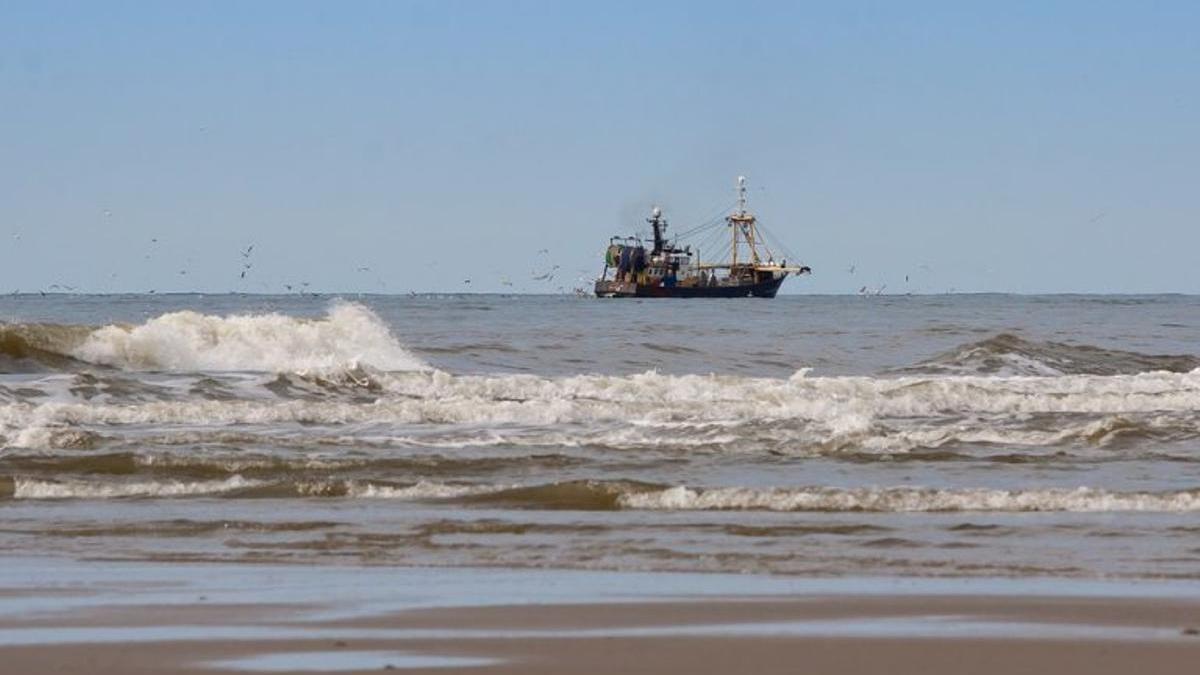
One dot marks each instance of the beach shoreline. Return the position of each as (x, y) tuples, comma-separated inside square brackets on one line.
[(59, 615)]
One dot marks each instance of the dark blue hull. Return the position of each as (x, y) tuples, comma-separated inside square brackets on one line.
[(761, 289)]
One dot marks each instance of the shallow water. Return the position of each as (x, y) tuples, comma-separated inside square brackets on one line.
[(929, 436)]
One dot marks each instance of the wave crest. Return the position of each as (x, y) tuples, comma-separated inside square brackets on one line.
[(1009, 355), (349, 336), (39, 347), (903, 500)]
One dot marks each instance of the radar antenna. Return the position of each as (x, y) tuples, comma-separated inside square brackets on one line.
[(659, 224)]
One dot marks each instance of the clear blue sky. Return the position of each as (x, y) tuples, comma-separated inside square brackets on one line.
[(1003, 146)]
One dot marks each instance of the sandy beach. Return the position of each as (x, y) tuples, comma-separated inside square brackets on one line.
[(147, 618), (1094, 636)]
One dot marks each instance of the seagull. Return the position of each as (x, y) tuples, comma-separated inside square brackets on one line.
[(850, 269), (547, 276), (249, 249), (364, 269)]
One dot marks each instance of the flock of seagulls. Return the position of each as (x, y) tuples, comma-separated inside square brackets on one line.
[(878, 290), (543, 274), (546, 274), (247, 265)]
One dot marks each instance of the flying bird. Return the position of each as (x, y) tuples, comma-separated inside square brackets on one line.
[(545, 276)]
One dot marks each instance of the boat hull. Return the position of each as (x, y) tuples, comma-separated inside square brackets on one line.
[(760, 289)]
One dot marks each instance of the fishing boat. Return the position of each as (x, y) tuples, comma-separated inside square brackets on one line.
[(725, 257)]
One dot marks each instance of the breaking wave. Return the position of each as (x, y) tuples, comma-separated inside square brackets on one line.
[(609, 495), (1009, 355), (234, 486), (349, 336), (901, 500), (26, 488), (26, 348), (801, 415)]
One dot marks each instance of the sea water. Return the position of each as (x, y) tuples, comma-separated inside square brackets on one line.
[(956, 435)]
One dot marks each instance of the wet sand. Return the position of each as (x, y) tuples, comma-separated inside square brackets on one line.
[(656, 655), (181, 620)]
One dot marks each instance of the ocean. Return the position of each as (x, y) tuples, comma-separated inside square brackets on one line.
[(885, 436)]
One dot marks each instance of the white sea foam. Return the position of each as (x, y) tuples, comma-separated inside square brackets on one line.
[(797, 414), (46, 438), (419, 491), (348, 336), (1082, 499), (27, 488)]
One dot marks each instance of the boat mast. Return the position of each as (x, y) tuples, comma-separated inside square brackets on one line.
[(743, 221)]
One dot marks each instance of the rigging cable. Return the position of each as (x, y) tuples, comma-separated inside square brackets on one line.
[(714, 218)]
